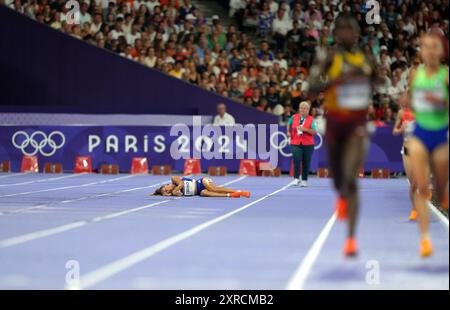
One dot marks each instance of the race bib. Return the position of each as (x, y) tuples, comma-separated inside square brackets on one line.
[(354, 95), (420, 102), (189, 188), (409, 130)]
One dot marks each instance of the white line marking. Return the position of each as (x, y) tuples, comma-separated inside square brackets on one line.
[(44, 206), (101, 274), (298, 280), (69, 187), (234, 181), (44, 180), (439, 214), (13, 175), (435, 210), (59, 229)]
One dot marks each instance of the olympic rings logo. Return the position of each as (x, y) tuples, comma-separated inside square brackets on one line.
[(281, 146), (38, 141)]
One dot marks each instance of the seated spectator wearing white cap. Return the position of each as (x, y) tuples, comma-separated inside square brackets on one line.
[(223, 118)]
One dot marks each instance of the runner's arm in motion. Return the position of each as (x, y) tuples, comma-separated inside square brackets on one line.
[(398, 127), (405, 99), (436, 101), (317, 82)]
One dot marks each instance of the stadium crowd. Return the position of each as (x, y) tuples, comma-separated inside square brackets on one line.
[(263, 58)]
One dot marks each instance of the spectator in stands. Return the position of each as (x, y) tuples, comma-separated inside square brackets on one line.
[(85, 17), (223, 118), (236, 6), (265, 21), (282, 23), (167, 34), (235, 91)]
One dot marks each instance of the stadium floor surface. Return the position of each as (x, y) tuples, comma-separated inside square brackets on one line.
[(282, 237)]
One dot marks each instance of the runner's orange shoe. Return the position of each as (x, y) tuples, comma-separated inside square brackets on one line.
[(350, 247), (341, 209), (426, 248), (235, 195), (245, 194), (413, 215)]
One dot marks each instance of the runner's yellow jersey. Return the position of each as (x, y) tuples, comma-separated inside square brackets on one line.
[(352, 96)]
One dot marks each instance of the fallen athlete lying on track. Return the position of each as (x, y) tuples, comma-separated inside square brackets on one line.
[(203, 187)]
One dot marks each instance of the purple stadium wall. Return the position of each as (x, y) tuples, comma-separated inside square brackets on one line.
[(44, 70)]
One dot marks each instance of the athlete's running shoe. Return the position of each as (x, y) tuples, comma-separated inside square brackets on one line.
[(350, 247), (240, 194), (426, 248), (413, 215), (245, 194)]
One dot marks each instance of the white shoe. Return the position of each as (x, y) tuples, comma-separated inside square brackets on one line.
[(304, 184), (296, 182)]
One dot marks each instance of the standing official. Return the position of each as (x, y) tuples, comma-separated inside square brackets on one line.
[(301, 130)]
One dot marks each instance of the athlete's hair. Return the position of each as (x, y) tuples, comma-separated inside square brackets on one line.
[(346, 19), (158, 192)]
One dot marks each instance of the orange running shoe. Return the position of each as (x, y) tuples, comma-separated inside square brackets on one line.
[(426, 248), (245, 194), (350, 247), (413, 215), (341, 209), (240, 194)]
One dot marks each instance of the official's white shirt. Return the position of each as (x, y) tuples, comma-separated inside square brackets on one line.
[(226, 120)]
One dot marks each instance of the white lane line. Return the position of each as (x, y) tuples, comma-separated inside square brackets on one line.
[(298, 280), (69, 187), (101, 274), (13, 175), (435, 210), (439, 214), (234, 181), (44, 206), (44, 180), (59, 229), (62, 228)]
